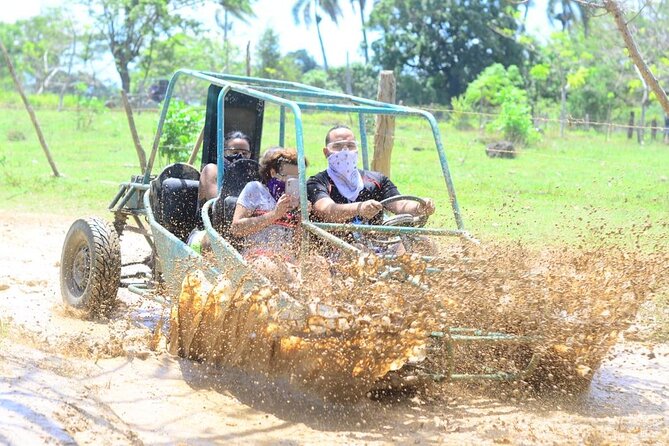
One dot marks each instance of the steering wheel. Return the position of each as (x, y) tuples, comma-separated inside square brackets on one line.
[(386, 240), (404, 219)]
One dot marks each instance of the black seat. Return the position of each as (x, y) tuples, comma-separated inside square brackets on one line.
[(174, 199), (236, 176)]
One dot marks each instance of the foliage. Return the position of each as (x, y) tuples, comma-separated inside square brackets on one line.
[(130, 26), (39, 45), (363, 79), (497, 91), (303, 60), (239, 9), (569, 13), (319, 78), (88, 106), (271, 64), (514, 119), (445, 48), (181, 127)]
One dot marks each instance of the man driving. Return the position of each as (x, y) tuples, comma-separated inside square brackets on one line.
[(345, 194)]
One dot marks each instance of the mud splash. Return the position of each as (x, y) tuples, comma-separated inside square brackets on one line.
[(339, 351), (574, 302)]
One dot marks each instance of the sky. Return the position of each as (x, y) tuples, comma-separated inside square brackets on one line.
[(338, 40)]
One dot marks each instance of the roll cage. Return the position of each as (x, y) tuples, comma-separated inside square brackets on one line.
[(296, 98)]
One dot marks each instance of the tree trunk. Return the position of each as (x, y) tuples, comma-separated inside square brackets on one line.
[(642, 118), (320, 40), (248, 58), (614, 9), (385, 125), (69, 70), (349, 82), (30, 111), (133, 131), (123, 72), (630, 126), (365, 46), (226, 48)]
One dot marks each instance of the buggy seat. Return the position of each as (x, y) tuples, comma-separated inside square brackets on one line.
[(236, 176), (174, 199)]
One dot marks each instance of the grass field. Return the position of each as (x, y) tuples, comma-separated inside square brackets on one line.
[(557, 191)]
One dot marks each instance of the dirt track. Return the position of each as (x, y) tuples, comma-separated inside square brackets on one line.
[(65, 381)]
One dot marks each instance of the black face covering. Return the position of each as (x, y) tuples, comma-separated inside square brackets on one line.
[(234, 157)]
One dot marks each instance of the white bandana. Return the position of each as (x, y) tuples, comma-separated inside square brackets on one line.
[(343, 169)]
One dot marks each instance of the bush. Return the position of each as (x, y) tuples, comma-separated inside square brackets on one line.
[(497, 91), (181, 126), (514, 118)]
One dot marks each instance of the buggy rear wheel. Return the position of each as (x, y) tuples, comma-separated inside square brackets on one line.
[(90, 266)]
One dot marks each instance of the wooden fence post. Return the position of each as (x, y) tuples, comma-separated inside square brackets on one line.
[(630, 126), (31, 112), (385, 125)]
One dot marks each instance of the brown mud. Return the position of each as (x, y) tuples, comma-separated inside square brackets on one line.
[(66, 380)]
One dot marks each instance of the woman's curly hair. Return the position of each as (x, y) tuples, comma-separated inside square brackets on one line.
[(273, 158)]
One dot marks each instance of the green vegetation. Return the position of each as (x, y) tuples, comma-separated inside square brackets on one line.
[(556, 191)]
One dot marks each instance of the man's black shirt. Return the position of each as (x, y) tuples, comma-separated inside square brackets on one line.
[(376, 187)]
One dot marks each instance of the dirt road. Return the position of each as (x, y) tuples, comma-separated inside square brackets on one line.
[(68, 381)]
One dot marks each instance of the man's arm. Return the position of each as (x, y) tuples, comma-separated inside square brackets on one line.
[(412, 207), (326, 209)]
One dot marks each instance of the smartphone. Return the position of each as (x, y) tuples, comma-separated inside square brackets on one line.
[(293, 187)]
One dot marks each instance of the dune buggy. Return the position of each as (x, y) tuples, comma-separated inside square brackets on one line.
[(168, 201)]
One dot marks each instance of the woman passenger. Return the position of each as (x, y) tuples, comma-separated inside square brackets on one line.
[(267, 218)]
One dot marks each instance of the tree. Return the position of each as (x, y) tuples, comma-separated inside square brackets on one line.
[(365, 46), (271, 64), (304, 7), (185, 50), (131, 26), (39, 46), (569, 12), (239, 9), (625, 30), (444, 48), (303, 60), (567, 63)]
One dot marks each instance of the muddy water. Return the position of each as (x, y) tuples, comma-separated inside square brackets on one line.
[(56, 392), (573, 303)]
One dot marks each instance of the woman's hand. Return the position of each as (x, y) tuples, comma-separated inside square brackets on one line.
[(284, 204)]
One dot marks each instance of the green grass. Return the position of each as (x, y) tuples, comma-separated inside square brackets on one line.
[(553, 192)]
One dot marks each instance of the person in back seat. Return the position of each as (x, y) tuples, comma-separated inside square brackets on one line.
[(267, 218), (237, 145)]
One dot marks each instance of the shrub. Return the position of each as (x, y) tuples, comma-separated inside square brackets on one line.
[(497, 91), (514, 118), (182, 124)]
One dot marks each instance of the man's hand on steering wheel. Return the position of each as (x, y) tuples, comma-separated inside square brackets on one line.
[(368, 209), (426, 208)]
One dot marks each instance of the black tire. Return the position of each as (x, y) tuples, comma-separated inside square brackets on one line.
[(90, 266)]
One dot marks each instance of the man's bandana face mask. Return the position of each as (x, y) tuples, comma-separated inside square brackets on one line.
[(343, 169)]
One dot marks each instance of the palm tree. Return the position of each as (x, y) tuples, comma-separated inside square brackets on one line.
[(239, 9), (304, 7), (569, 11), (361, 5)]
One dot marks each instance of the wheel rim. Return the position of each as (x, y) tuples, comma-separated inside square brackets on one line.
[(81, 267)]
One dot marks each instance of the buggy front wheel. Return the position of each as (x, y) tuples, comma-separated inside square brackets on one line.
[(90, 266)]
